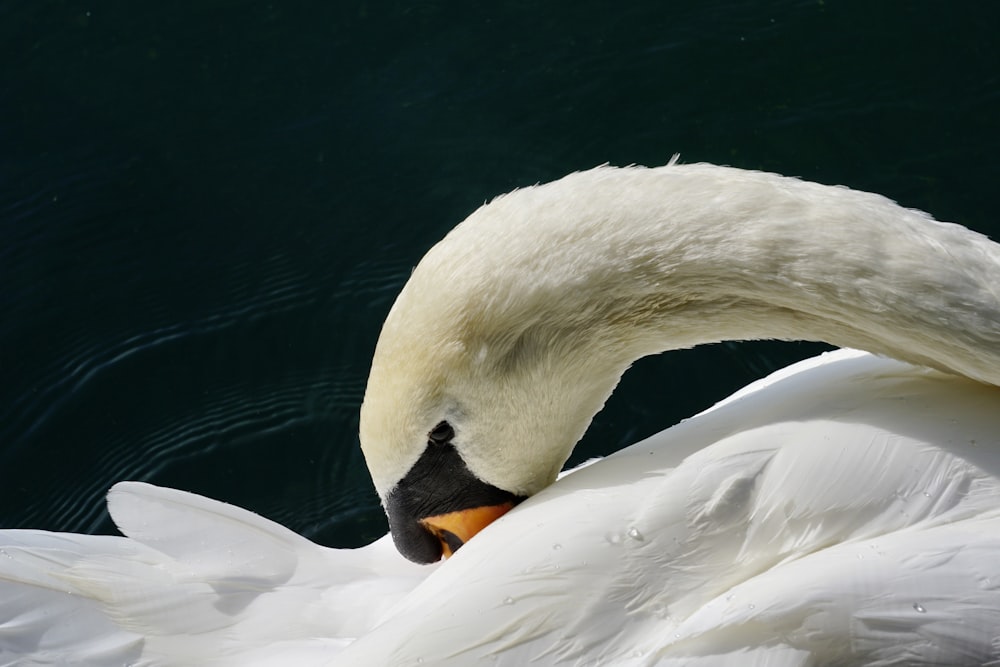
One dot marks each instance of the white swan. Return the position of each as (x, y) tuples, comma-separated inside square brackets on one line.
[(514, 330), (843, 511)]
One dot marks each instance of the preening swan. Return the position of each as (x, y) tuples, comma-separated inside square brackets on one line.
[(844, 511), (513, 331)]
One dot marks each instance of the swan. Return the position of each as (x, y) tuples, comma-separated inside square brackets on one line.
[(844, 510), (513, 330)]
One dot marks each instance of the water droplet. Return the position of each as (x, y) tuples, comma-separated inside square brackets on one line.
[(919, 607), (613, 538), (4, 552), (730, 597), (927, 494), (557, 546), (973, 443), (751, 606), (508, 600), (635, 534)]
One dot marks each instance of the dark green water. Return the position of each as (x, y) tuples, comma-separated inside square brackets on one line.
[(206, 208)]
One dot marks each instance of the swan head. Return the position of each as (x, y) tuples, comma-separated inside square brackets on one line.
[(488, 370)]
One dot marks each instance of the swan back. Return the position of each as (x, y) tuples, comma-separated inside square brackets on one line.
[(846, 496)]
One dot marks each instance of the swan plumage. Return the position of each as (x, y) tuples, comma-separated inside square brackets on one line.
[(845, 510), (515, 328), (196, 581)]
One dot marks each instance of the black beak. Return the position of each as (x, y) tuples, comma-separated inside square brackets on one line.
[(440, 504)]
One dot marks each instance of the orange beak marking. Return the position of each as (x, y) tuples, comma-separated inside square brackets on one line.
[(456, 528)]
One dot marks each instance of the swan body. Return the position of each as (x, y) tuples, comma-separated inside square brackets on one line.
[(844, 511)]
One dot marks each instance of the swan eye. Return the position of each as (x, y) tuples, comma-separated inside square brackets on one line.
[(441, 434)]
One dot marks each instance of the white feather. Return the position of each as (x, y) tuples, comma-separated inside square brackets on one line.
[(198, 582), (844, 511)]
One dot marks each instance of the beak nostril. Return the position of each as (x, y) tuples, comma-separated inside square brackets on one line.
[(452, 542)]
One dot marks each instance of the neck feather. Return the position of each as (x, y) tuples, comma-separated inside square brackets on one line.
[(518, 325), (645, 260)]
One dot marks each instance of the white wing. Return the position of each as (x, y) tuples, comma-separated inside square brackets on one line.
[(845, 510), (199, 582)]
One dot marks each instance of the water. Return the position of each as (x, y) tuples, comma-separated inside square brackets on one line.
[(207, 209)]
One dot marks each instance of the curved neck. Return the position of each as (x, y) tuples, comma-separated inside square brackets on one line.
[(518, 325), (691, 254)]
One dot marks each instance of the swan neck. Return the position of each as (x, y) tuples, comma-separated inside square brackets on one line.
[(668, 258)]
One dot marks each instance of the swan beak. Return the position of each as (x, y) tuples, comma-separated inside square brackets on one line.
[(456, 528)]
